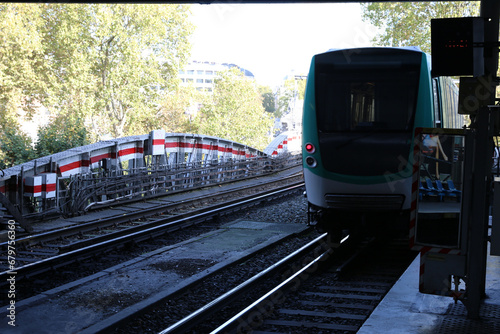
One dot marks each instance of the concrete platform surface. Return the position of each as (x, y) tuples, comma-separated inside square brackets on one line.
[(405, 310)]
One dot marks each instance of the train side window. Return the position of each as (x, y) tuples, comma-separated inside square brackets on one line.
[(437, 102)]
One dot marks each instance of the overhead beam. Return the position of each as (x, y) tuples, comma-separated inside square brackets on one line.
[(239, 2)]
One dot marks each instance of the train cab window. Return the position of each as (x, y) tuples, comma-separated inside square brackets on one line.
[(383, 103), (362, 104), (373, 95)]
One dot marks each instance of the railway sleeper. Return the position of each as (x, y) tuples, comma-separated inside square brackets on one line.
[(340, 296), (308, 324), (39, 252), (356, 306), (323, 314)]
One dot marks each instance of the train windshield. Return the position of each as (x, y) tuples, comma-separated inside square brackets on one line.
[(374, 96)]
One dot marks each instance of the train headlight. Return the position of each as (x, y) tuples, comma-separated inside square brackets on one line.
[(311, 162), (310, 148)]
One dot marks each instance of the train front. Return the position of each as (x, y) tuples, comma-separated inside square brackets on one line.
[(360, 110)]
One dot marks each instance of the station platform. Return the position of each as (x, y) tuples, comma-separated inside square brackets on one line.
[(405, 310)]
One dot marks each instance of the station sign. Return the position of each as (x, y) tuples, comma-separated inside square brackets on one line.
[(457, 46)]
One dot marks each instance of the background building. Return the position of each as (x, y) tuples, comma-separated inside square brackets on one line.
[(201, 74)]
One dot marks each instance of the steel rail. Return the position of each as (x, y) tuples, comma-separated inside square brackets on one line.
[(254, 313), (118, 219), (165, 220), (206, 311), (189, 219)]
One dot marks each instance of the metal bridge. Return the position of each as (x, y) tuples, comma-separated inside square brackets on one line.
[(132, 168)]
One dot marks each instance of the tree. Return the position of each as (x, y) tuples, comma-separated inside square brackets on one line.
[(21, 61), (108, 64), (415, 28), (15, 148), (60, 135), (234, 111), (268, 99), (114, 63), (178, 110)]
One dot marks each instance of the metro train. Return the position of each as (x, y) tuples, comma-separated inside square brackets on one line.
[(361, 109)]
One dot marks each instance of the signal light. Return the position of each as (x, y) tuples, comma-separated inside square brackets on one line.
[(310, 148), (311, 162)]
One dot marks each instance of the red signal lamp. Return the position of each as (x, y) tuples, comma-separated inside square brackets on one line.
[(310, 148)]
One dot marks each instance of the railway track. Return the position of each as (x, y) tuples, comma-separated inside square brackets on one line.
[(199, 266), (317, 246), (319, 288), (335, 292), (38, 253)]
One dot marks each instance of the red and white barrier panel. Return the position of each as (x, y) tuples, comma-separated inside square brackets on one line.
[(101, 154), (189, 145), (77, 164), (240, 153), (206, 146), (225, 151), (133, 150), (438, 250), (250, 155), (174, 144), (278, 149), (157, 142), (33, 186), (49, 185)]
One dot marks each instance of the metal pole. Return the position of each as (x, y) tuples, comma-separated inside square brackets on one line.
[(478, 226), (483, 145)]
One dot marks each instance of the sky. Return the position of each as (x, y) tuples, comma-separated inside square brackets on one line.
[(272, 40)]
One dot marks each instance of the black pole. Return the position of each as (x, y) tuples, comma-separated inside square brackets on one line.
[(481, 172)]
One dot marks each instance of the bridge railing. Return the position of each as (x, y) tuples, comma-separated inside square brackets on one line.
[(98, 189), (129, 168)]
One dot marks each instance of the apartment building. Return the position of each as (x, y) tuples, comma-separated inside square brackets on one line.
[(201, 74)]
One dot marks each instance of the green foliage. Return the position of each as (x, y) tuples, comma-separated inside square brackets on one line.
[(268, 99), (109, 64), (409, 23), (15, 148), (177, 111), (112, 68), (20, 61), (235, 111), (127, 74), (60, 135)]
